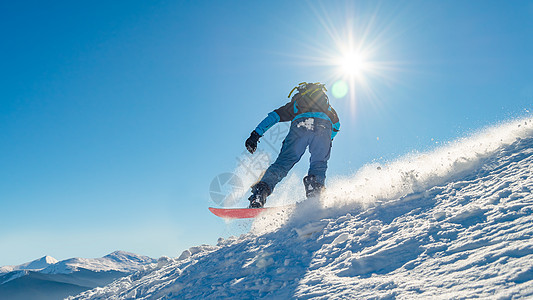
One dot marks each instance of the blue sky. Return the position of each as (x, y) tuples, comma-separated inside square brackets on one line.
[(116, 116)]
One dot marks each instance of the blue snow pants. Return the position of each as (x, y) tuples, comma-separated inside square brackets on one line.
[(304, 132)]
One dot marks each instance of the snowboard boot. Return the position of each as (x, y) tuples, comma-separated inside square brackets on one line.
[(313, 188), (260, 192)]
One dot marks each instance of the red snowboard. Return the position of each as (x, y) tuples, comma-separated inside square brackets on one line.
[(243, 213)]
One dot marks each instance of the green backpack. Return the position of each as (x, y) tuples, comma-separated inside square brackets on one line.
[(311, 97)]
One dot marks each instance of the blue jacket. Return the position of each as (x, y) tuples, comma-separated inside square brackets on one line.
[(302, 107)]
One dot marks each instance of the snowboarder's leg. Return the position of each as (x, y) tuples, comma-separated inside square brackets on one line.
[(320, 149), (292, 150)]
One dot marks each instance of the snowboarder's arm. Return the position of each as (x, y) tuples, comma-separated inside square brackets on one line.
[(251, 143), (283, 114), (271, 119)]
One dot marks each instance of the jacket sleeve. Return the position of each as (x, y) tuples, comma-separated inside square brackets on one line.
[(271, 119), (283, 114)]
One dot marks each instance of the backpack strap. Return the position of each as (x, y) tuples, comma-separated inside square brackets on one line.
[(299, 86)]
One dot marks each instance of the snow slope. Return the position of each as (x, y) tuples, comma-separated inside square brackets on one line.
[(452, 223)]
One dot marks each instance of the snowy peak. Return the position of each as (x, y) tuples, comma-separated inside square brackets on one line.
[(35, 265), (128, 258), (41, 263), (120, 261)]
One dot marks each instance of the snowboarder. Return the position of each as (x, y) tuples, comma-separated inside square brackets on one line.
[(314, 123)]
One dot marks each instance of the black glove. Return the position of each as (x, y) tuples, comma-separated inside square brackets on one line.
[(251, 142)]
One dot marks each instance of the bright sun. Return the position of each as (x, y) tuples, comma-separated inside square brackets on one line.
[(353, 64), (353, 54)]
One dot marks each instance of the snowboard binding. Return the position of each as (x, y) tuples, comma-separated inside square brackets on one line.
[(313, 188), (260, 192)]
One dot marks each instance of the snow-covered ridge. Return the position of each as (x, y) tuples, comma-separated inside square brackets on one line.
[(456, 222), (37, 264), (117, 261)]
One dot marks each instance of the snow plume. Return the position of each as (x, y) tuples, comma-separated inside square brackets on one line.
[(249, 170), (417, 172), (375, 184)]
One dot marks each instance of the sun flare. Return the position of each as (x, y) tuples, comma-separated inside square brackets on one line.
[(354, 49), (353, 64)]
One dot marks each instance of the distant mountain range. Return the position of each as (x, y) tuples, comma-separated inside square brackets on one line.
[(47, 278)]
